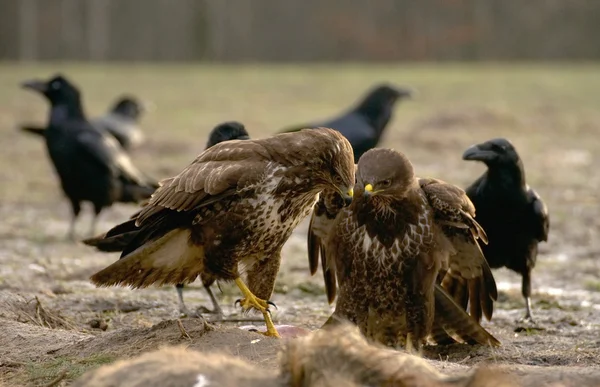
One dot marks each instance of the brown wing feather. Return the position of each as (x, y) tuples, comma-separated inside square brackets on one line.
[(321, 223), (468, 276), (170, 259), (217, 172), (452, 319)]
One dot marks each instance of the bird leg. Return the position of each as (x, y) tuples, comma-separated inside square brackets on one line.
[(216, 308), (251, 301), (526, 291), (182, 308), (76, 208), (185, 311), (97, 210)]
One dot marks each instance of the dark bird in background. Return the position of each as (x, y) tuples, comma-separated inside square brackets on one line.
[(224, 132), (513, 215), (121, 122), (91, 166), (364, 124), (389, 247), (231, 209)]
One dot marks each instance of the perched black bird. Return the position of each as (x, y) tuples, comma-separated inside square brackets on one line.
[(223, 132), (121, 121), (91, 165), (364, 124), (513, 215)]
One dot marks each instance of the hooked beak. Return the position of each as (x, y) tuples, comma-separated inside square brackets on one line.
[(478, 154), (35, 84), (347, 196)]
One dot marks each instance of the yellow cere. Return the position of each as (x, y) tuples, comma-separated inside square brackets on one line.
[(351, 192), (369, 188)]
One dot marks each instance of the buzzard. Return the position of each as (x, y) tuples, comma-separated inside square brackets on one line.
[(222, 132), (91, 165), (389, 248), (364, 124), (231, 209), (514, 216)]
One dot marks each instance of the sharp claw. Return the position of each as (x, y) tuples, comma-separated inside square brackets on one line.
[(273, 304)]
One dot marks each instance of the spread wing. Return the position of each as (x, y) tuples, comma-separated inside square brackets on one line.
[(321, 223), (218, 172), (467, 277)]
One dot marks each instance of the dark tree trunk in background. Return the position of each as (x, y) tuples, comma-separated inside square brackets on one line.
[(307, 30)]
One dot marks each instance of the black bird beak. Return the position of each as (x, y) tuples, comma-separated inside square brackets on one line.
[(37, 85), (404, 93), (476, 153)]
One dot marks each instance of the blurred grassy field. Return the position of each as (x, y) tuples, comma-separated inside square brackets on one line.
[(550, 112)]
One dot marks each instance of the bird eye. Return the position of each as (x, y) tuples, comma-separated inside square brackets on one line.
[(55, 85), (385, 183), (338, 179)]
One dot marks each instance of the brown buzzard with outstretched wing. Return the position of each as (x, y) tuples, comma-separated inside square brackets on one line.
[(231, 209)]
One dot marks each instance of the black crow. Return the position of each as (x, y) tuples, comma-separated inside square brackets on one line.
[(364, 124), (513, 215), (121, 121), (223, 132), (91, 165)]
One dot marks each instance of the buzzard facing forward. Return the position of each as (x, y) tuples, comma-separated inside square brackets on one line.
[(231, 209), (388, 248)]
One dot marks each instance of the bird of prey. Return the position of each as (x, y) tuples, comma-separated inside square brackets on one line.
[(91, 166), (224, 132), (220, 133), (513, 215), (231, 209), (121, 122), (364, 124), (389, 248)]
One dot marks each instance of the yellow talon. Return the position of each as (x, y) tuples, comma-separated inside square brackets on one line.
[(251, 301)]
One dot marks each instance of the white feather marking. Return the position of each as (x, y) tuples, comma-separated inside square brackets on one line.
[(367, 242), (201, 381)]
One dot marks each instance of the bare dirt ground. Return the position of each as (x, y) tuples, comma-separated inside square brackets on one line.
[(51, 317)]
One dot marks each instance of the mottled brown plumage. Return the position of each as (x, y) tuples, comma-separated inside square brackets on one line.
[(232, 209), (388, 248)]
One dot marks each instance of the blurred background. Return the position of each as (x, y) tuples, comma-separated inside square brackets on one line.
[(480, 69), (310, 30)]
